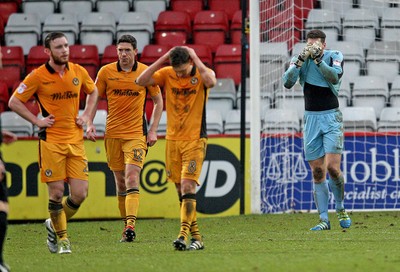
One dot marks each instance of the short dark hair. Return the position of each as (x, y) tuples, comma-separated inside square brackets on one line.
[(128, 39), (178, 56), (51, 37), (316, 34)]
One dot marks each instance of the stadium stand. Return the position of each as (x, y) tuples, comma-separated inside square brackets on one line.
[(227, 62), (87, 56), (65, 22), (189, 6), (359, 119), (110, 55), (41, 7), (116, 7), (389, 119), (281, 121), (35, 58), (155, 7)]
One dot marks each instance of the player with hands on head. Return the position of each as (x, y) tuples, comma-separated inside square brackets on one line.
[(62, 157), (319, 72), (127, 138), (186, 83)]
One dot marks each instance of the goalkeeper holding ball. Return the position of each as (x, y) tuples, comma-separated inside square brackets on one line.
[(320, 72)]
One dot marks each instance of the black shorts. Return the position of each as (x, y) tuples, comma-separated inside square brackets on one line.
[(3, 190)]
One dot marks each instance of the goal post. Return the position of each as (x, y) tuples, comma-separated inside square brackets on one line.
[(280, 178)]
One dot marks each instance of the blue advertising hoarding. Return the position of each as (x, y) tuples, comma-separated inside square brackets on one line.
[(370, 165)]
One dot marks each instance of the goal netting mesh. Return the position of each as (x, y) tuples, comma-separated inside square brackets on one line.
[(367, 32)]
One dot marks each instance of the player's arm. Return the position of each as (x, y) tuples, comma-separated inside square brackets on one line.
[(157, 111), (207, 74), (292, 73), (146, 77), (331, 73), (88, 114), (19, 107)]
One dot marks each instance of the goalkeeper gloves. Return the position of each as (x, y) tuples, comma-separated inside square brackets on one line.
[(303, 56), (316, 52)]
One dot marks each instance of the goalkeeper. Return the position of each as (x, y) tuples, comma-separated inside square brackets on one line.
[(320, 72)]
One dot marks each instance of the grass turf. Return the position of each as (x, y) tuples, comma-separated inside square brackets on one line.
[(271, 242)]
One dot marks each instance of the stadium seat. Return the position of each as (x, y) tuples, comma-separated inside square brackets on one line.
[(98, 28), (23, 30), (390, 24), (359, 119), (11, 121), (153, 52), (13, 56), (65, 22), (345, 93), (210, 28), (222, 96), (173, 21), (394, 92), (10, 75), (327, 20), (389, 119), (291, 99), (4, 96), (360, 25), (102, 104), (87, 56), (338, 6), (228, 62), (274, 57), (204, 53), (370, 91), (77, 7), (353, 55), (41, 7), (116, 7), (110, 55), (281, 121), (162, 125), (7, 8), (155, 7), (377, 6), (232, 122), (170, 38), (235, 28), (189, 6), (139, 24), (228, 6), (215, 124), (35, 58), (383, 59), (33, 106), (99, 122)]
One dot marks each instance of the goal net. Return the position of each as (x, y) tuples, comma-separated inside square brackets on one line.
[(367, 33)]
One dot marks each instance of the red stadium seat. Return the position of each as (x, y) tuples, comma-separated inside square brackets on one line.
[(7, 8), (110, 54), (170, 38), (1, 31), (210, 28), (173, 28), (10, 75), (13, 56), (204, 53), (4, 96), (228, 62), (153, 52), (35, 58), (32, 106), (189, 6), (229, 6), (87, 56), (103, 104), (235, 29)]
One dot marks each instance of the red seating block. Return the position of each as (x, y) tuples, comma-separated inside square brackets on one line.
[(153, 52), (13, 56), (110, 55), (87, 56), (35, 58), (229, 6), (227, 62), (189, 6)]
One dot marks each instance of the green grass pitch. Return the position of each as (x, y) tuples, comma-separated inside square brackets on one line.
[(271, 242)]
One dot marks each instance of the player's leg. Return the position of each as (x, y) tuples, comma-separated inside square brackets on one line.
[(315, 155), (132, 202), (321, 193), (115, 160), (3, 219), (333, 143), (135, 151)]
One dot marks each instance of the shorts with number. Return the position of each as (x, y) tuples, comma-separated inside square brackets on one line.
[(323, 133), (184, 159), (62, 161), (121, 152)]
